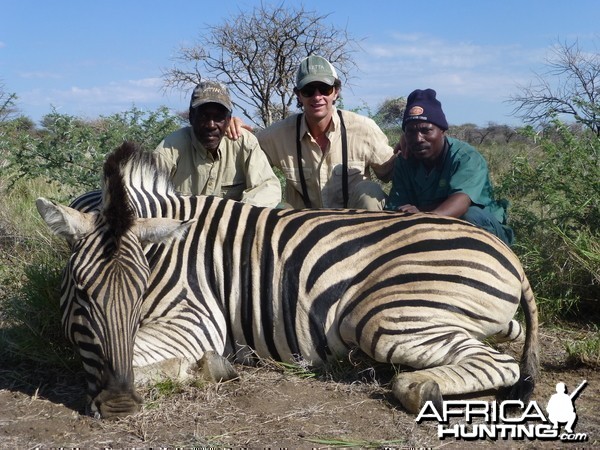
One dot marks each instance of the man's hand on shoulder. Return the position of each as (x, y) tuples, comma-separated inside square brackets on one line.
[(234, 130)]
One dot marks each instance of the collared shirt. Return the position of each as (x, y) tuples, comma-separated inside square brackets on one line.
[(367, 145), (462, 169), (240, 172)]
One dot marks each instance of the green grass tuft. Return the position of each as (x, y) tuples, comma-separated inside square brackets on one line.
[(585, 351)]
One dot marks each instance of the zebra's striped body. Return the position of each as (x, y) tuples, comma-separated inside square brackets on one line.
[(417, 290)]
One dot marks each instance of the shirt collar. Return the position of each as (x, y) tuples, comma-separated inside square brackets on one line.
[(201, 150), (333, 126)]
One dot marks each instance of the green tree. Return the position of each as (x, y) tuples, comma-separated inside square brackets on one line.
[(8, 106), (70, 151), (555, 211), (390, 112)]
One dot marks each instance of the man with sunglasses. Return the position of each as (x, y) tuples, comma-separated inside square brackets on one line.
[(441, 174), (326, 154), (202, 160)]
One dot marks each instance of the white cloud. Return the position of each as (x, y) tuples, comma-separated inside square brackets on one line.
[(94, 101), (475, 79), (136, 91), (39, 75)]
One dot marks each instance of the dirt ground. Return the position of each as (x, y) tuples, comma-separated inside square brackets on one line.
[(267, 407)]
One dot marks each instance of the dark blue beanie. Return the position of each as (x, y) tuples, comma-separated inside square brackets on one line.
[(422, 105)]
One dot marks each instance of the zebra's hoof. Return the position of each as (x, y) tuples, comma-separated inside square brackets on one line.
[(216, 368), (413, 396)]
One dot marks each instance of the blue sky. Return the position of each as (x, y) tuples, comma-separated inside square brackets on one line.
[(93, 58)]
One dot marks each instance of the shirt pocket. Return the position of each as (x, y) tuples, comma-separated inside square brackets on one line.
[(356, 170), (292, 176), (233, 188)]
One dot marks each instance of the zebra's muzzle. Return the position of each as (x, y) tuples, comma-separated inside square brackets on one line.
[(111, 405)]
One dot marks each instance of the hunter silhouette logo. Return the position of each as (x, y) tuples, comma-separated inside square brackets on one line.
[(561, 408), (510, 419)]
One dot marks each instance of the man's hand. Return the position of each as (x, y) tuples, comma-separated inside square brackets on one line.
[(401, 147), (456, 205), (408, 209), (234, 130)]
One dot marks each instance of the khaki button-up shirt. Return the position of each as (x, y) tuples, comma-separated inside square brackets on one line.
[(240, 172), (367, 145)]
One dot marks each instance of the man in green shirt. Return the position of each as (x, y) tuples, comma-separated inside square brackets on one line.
[(441, 174), (202, 160)]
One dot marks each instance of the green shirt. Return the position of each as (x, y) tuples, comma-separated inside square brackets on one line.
[(462, 169)]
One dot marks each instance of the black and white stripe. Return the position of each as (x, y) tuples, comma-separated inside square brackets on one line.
[(416, 290)]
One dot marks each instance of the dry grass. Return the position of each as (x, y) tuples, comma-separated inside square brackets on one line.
[(269, 406)]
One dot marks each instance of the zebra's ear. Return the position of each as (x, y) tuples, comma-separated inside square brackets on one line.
[(64, 221), (157, 230)]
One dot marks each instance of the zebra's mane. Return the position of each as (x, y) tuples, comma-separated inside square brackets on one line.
[(129, 169)]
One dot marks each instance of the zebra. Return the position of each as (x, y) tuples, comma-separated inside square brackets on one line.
[(159, 283)]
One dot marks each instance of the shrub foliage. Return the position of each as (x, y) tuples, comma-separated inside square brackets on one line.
[(70, 151), (555, 196), (552, 183)]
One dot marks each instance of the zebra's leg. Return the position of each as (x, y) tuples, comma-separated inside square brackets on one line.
[(216, 368), (212, 367), (161, 353), (173, 368), (460, 364), (513, 331)]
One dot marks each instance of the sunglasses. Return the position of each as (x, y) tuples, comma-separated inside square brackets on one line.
[(309, 91)]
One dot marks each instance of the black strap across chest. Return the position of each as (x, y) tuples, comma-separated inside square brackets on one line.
[(305, 196)]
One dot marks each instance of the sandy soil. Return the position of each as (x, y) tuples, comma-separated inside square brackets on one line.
[(267, 407)]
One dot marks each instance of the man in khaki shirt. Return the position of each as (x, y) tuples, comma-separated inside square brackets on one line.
[(314, 141), (202, 160)]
